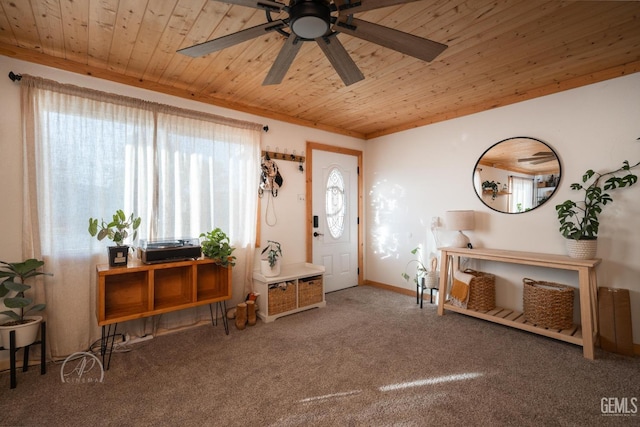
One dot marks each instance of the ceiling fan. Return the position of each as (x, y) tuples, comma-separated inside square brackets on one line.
[(539, 158), (321, 21)]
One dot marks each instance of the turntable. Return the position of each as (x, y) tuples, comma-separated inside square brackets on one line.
[(156, 251)]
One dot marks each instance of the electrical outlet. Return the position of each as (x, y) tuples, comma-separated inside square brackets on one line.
[(301, 197)]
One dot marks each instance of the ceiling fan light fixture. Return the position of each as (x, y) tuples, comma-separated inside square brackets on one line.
[(309, 19)]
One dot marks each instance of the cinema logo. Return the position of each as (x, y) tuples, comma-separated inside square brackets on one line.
[(82, 368), (619, 406)]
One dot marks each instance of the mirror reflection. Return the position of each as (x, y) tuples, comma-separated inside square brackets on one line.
[(517, 175)]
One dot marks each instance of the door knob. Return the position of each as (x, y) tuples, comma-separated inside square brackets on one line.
[(316, 234)]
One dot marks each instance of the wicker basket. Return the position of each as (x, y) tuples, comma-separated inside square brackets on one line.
[(547, 304), (309, 291), (482, 291), (282, 297)]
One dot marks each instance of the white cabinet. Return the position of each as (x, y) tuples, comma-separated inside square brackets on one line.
[(298, 287)]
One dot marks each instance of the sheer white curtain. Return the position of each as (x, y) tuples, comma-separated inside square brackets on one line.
[(521, 197), (89, 153)]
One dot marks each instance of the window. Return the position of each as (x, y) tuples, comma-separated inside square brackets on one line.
[(90, 153), (335, 203), (521, 198)]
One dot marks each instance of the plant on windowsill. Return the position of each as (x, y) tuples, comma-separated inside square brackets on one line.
[(269, 262), (216, 245), (16, 275), (579, 219), (118, 230)]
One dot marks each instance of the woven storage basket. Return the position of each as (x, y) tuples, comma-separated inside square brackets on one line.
[(482, 291), (309, 291), (282, 298), (548, 304)]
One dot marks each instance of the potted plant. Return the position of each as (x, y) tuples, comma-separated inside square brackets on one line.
[(579, 222), (421, 270), (215, 244), (270, 264), (117, 231), (26, 327), (431, 274), (491, 186)]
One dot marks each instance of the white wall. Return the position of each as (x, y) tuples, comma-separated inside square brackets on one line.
[(290, 227), (413, 176), (419, 174)]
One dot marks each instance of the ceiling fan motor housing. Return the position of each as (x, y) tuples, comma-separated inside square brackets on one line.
[(309, 19)]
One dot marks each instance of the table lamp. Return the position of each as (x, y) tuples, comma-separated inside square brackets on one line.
[(459, 221)]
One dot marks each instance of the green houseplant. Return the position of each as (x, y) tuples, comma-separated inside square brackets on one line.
[(579, 218), (215, 245), (117, 230), (421, 270), (491, 186), (430, 274), (16, 275), (269, 264)]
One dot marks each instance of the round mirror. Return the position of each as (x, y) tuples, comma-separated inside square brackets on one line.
[(516, 175)]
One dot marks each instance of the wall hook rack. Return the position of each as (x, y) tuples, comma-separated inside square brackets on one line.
[(282, 156)]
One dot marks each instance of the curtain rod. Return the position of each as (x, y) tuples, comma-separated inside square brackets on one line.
[(17, 77)]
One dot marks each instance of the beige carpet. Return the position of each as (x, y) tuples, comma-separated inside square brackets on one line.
[(370, 358)]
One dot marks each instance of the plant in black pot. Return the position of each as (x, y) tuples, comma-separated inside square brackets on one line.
[(216, 245), (579, 222), (117, 230), (16, 275)]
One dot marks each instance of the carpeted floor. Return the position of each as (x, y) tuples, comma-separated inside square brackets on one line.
[(370, 358)]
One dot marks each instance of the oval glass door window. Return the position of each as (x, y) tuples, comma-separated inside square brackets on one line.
[(335, 203)]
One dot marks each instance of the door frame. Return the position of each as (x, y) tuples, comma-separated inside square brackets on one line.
[(311, 146)]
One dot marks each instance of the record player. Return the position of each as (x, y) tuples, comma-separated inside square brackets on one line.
[(156, 251)]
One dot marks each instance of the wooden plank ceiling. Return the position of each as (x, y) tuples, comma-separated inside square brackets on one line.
[(500, 52)]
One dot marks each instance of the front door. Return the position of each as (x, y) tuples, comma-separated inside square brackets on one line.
[(334, 209)]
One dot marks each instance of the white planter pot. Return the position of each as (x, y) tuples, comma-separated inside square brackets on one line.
[(432, 279), (267, 270), (582, 249), (26, 333)]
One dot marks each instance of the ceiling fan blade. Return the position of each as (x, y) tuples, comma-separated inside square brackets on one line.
[(543, 160), (340, 59), (544, 153), (257, 4), (530, 159), (424, 49), (231, 39), (283, 61), (355, 6)]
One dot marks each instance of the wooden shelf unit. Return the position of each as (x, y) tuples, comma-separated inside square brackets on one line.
[(142, 290), (584, 334), (299, 275)]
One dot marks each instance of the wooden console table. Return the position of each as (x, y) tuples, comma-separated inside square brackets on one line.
[(584, 334), (142, 290)]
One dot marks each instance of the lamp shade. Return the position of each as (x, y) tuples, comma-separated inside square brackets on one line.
[(460, 220)]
